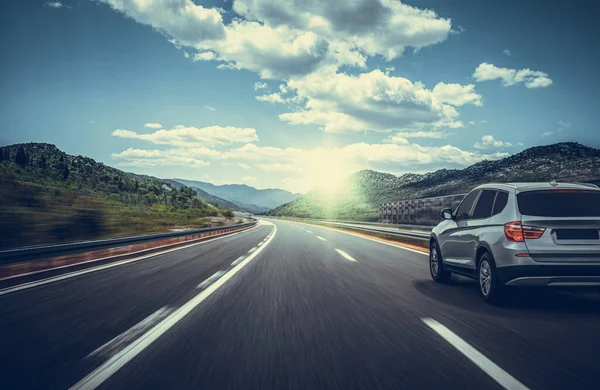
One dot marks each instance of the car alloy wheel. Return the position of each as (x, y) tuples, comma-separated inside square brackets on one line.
[(433, 261), (485, 278)]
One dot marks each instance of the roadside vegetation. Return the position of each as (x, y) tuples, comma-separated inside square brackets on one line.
[(47, 196)]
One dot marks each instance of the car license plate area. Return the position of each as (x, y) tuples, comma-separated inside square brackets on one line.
[(577, 234)]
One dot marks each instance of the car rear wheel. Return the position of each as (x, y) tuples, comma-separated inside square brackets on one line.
[(436, 266), (489, 288)]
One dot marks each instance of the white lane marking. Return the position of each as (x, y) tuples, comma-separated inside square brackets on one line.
[(237, 261), (112, 365), (119, 342), (211, 279), (53, 279), (345, 255), (379, 241), (321, 238), (253, 249), (503, 378), (308, 231)]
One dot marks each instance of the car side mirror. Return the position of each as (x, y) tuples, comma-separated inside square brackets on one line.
[(447, 214)]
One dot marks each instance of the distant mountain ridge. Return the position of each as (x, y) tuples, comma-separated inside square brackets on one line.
[(365, 190), (246, 197)]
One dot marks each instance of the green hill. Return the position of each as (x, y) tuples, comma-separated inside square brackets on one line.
[(47, 195), (365, 190)]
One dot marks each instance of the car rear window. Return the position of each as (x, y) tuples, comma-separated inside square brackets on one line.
[(559, 203)]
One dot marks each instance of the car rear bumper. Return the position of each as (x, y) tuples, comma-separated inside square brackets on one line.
[(550, 275)]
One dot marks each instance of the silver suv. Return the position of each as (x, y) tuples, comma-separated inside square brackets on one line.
[(520, 234)]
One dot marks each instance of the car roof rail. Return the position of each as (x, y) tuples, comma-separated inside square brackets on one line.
[(591, 185)]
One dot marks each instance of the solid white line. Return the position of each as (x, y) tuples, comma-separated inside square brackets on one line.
[(503, 378), (119, 342), (321, 238), (53, 279), (211, 279), (111, 366), (379, 241), (345, 255)]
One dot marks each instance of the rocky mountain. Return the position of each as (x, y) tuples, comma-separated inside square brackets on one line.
[(246, 197), (202, 195), (365, 190)]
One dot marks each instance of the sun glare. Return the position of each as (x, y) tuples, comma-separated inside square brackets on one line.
[(326, 174)]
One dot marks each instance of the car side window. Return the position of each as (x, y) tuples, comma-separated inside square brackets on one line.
[(485, 203), (464, 209), (500, 202)]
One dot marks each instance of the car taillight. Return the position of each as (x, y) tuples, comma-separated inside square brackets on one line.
[(516, 232)]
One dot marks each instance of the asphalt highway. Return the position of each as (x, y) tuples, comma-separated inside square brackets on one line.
[(288, 305)]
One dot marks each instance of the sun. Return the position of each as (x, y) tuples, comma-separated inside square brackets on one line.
[(326, 174)]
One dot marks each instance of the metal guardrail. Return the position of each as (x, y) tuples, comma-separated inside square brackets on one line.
[(17, 255)]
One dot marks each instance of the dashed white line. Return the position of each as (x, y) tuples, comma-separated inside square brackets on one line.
[(112, 365), (253, 249), (503, 378), (422, 252), (119, 342), (321, 238), (211, 279), (237, 261), (345, 255), (308, 231)]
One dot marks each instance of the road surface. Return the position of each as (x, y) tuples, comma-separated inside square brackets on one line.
[(301, 307)]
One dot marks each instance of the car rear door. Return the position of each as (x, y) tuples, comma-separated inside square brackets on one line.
[(571, 219)]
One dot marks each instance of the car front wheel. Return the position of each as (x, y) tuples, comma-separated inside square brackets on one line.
[(436, 266)]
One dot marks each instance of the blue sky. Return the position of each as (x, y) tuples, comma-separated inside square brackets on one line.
[(343, 86)]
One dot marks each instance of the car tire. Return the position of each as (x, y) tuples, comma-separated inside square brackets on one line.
[(487, 279), (436, 265)]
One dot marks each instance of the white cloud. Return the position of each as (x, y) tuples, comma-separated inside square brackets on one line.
[(457, 95), (402, 136), (282, 38), (547, 133), (182, 20), (153, 158), (472, 123), (530, 78), (383, 27), (210, 108), (249, 179), (506, 52), (344, 103), (260, 85), (55, 4), (183, 136), (153, 125), (271, 98), (488, 141), (306, 168)]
